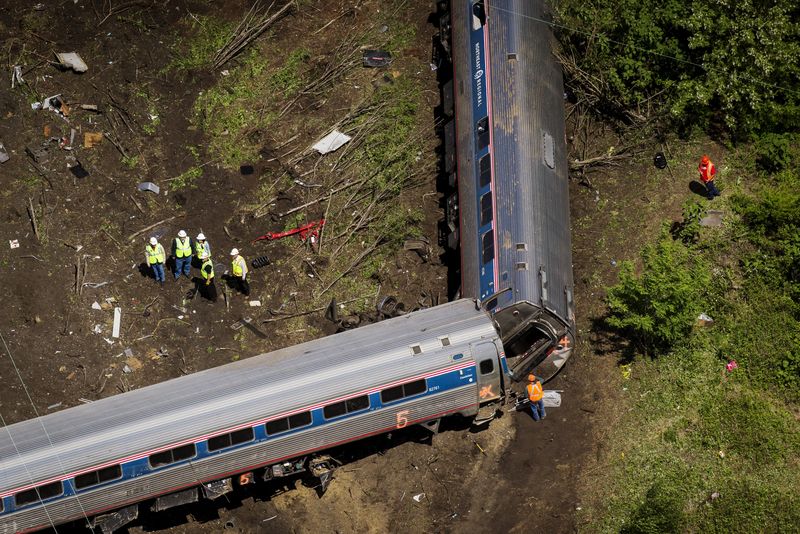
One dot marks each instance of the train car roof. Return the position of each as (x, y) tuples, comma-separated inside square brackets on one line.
[(216, 400)]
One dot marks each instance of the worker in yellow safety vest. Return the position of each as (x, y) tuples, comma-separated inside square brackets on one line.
[(239, 270), (208, 289), (182, 252), (201, 246), (536, 396), (155, 257)]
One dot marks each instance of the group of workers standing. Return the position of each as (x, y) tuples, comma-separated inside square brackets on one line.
[(185, 253)]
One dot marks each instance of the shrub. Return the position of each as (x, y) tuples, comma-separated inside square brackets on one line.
[(659, 308)]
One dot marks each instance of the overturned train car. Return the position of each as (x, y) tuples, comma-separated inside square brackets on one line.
[(505, 152)]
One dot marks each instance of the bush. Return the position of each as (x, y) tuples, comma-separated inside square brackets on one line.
[(775, 152), (660, 307)]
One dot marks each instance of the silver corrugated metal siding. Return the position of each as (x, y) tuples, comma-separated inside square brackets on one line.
[(532, 199)]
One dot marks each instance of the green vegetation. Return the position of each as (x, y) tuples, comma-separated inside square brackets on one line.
[(187, 178), (207, 35), (705, 63), (246, 100), (702, 448)]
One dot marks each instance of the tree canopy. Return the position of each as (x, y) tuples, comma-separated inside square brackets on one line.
[(706, 62)]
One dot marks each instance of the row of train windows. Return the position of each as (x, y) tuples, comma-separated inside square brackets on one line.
[(223, 441)]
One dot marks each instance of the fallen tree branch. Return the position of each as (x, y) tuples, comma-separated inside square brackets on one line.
[(143, 230)]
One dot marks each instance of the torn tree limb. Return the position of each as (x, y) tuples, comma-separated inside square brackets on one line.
[(320, 199), (309, 312), (32, 215), (143, 230), (254, 23)]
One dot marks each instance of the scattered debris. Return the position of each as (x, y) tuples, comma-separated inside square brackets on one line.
[(660, 161), (54, 406), (259, 262), (552, 398), (713, 218), (109, 341), (13, 243), (3, 154), (97, 329), (117, 321), (126, 369), (149, 186), (704, 320), (92, 139), (71, 60), (254, 303), (421, 246), (16, 76), (331, 142), (731, 365), (133, 363), (311, 230), (714, 496), (419, 496), (90, 107), (96, 306), (388, 307), (376, 58), (246, 169), (78, 171)]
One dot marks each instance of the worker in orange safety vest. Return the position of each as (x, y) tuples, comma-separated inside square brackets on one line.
[(707, 172), (536, 396)]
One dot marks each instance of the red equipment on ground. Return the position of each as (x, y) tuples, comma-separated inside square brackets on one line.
[(311, 230)]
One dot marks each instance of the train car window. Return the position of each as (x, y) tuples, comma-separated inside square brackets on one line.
[(482, 132), (445, 341), (357, 404), (478, 15), (94, 478), (229, 440), (414, 388), (338, 409), (184, 452), (48, 491), (487, 367), (334, 410), (488, 246), (485, 165), (299, 419), (492, 304), (277, 426), (486, 208), (392, 394)]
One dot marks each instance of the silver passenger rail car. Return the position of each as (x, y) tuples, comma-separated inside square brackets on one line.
[(512, 177), (275, 411)]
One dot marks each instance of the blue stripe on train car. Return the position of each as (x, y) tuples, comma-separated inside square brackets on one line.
[(480, 110)]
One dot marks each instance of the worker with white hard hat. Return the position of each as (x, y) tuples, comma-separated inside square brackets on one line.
[(155, 257), (182, 252), (201, 246), (239, 270)]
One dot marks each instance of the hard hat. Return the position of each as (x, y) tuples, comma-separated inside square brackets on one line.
[(182, 234), (205, 255), (704, 159), (153, 241), (201, 237), (235, 252)]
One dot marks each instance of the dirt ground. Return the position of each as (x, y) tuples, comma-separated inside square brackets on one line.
[(497, 479)]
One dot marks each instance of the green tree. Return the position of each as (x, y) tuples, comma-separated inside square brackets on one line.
[(706, 61), (659, 307)]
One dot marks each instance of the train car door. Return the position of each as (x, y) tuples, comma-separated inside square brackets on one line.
[(488, 363)]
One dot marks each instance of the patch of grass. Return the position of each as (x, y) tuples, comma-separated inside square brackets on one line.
[(206, 36), (130, 162), (233, 111), (187, 178)]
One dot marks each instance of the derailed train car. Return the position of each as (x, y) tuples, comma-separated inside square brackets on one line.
[(275, 414), (506, 154), (270, 416)]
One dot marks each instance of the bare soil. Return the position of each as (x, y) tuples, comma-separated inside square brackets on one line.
[(507, 477)]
